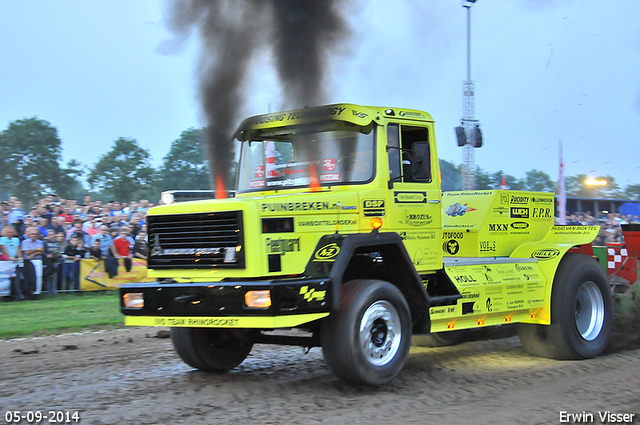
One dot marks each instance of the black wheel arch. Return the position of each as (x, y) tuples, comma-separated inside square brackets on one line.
[(380, 256)]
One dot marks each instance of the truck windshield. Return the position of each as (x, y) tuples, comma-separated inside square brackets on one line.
[(281, 158)]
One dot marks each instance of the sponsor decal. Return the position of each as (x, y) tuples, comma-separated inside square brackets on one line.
[(329, 164), (282, 246), (330, 177), (310, 294), (373, 207), (542, 200), (524, 268), (410, 197), (256, 183), (458, 209), (359, 114), (465, 279), (504, 198), (519, 225), (519, 212), (451, 247), (541, 212), (487, 246), (545, 254), (298, 206), (410, 114), (501, 227), (470, 295), (327, 252), (452, 235), (417, 220), (419, 236), (321, 223), (519, 200), (501, 210), (259, 172)]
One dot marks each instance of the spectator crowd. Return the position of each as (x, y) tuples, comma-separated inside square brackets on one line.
[(61, 232)]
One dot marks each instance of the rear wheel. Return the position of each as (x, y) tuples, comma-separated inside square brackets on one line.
[(211, 350), (581, 313), (367, 340)]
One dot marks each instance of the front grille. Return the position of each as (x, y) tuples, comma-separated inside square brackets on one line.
[(204, 240)]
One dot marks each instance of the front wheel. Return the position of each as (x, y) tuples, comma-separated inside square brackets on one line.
[(367, 339), (211, 350), (581, 313)]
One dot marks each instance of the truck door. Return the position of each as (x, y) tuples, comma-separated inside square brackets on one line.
[(415, 206)]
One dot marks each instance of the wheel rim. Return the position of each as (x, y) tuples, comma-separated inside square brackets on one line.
[(589, 311), (380, 333)]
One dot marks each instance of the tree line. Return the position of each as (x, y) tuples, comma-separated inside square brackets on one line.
[(31, 167)]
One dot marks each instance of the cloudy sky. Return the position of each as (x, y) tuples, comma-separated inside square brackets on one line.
[(544, 70)]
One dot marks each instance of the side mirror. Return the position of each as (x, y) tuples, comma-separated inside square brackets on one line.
[(421, 164)]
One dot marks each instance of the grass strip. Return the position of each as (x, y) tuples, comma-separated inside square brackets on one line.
[(52, 314)]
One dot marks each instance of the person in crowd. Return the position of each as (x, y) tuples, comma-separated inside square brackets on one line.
[(19, 226), (95, 253), (108, 251), (43, 227), (144, 205), (123, 244), (140, 246), (72, 255), (59, 225), (134, 224), (17, 213), (10, 248), (52, 255), (32, 249)]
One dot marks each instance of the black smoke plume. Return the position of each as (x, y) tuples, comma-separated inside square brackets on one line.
[(302, 34)]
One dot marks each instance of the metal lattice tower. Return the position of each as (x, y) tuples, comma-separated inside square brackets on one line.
[(468, 113), (468, 122)]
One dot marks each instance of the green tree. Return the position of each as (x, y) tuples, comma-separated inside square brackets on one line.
[(539, 181), (451, 177), (633, 192), (186, 166), (68, 185), (124, 172), (484, 180), (30, 151)]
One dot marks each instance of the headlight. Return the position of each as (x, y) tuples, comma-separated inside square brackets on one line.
[(133, 300), (258, 299)]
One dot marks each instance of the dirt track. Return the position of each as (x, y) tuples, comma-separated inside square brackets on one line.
[(130, 376)]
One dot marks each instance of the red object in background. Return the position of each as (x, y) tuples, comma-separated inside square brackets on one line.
[(621, 264)]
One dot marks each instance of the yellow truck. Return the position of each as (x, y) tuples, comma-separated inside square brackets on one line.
[(339, 229)]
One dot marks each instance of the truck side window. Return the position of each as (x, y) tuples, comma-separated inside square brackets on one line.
[(393, 142), (411, 135)]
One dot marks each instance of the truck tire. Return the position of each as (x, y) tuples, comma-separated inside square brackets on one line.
[(211, 350), (581, 313), (441, 339), (367, 339)]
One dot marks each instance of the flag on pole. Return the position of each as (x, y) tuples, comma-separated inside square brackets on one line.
[(562, 192)]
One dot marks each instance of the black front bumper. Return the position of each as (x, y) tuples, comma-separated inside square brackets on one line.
[(227, 299)]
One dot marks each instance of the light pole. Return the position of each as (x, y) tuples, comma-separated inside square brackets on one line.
[(469, 124)]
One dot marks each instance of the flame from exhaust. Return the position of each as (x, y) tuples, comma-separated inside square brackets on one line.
[(221, 192)]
